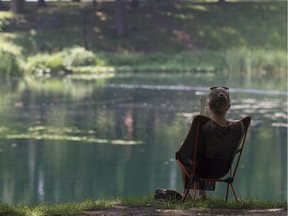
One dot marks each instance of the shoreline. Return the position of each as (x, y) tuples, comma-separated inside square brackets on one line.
[(148, 210)]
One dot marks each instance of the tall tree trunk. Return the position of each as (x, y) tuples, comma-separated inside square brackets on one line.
[(41, 3), (134, 3), (119, 18), (221, 2), (17, 6), (2, 7)]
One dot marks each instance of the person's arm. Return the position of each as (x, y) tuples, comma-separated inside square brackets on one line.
[(204, 109)]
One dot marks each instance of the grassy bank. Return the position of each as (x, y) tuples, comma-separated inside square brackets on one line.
[(237, 37), (90, 205)]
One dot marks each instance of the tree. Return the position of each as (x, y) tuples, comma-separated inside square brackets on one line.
[(119, 18), (2, 7), (41, 3), (17, 6), (134, 3), (221, 2)]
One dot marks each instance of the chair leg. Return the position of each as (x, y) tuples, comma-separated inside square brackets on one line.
[(186, 193), (233, 190), (227, 192), (235, 196), (195, 191)]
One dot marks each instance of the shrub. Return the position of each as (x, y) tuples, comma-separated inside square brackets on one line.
[(78, 56), (9, 65), (257, 62), (44, 64), (123, 59), (55, 62)]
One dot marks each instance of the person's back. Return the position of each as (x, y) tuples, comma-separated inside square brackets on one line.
[(221, 141), (219, 147), (219, 104)]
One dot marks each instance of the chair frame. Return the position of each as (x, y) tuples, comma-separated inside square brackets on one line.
[(193, 179)]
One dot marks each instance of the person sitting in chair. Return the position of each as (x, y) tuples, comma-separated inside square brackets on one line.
[(219, 104)]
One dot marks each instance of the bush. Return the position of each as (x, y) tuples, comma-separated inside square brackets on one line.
[(9, 65), (44, 64), (257, 62), (238, 62), (135, 59), (78, 57)]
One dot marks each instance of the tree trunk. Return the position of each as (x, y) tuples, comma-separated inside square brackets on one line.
[(17, 6), (221, 2), (134, 3), (41, 3), (119, 18), (2, 7)]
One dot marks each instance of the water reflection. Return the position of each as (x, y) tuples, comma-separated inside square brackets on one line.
[(64, 141)]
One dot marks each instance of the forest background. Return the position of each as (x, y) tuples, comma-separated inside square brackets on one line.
[(228, 37)]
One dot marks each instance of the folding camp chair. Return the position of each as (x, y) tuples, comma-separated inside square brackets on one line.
[(208, 151)]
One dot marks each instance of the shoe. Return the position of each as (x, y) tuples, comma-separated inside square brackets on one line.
[(202, 197), (167, 194)]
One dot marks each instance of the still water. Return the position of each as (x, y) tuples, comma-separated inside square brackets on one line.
[(69, 139)]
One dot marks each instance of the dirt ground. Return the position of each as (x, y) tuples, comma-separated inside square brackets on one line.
[(149, 211)]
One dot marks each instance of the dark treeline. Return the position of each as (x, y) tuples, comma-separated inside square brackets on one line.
[(18, 7)]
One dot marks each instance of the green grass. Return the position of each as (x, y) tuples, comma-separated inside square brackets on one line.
[(240, 61), (90, 205), (62, 209)]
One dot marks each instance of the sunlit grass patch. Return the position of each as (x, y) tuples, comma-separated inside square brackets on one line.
[(74, 208), (137, 201), (11, 209), (103, 203)]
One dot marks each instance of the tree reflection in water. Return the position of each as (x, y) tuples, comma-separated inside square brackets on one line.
[(68, 142)]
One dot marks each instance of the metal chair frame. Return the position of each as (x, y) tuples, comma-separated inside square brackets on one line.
[(193, 179)]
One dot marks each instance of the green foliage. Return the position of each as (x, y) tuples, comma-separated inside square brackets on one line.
[(168, 29), (242, 37), (9, 65), (44, 64), (182, 61), (5, 19), (238, 61), (55, 63), (7, 209), (257, 62), (125, 58), (78, 57)]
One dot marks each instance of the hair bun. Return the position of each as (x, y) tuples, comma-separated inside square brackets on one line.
[(221, 94)]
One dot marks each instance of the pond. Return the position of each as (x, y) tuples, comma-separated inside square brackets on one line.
[(69, 139)]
